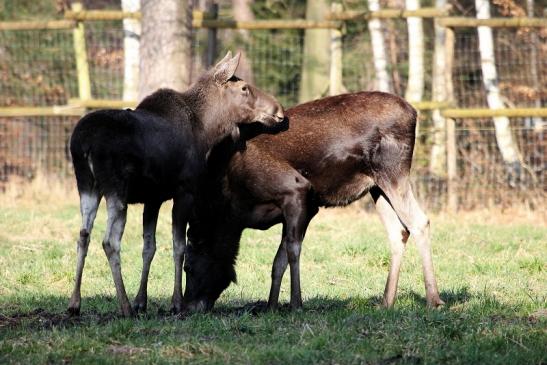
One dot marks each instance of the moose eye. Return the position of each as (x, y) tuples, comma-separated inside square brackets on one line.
[(244, 88)]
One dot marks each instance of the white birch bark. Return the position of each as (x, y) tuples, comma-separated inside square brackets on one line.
[(378, 49), (131, 44), (504, 137), (438, 149), (415, 86), (537, 122)]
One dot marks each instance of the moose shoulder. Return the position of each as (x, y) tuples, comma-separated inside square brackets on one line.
[(335, 151), (153, 154)]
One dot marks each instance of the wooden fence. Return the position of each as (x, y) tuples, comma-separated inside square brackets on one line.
[(447, 108)]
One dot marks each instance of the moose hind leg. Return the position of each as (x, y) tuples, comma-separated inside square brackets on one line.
[(117, 214), (408, 210), (278, 269), (298, 214), (89, 203), (149, 223), (398, 236)]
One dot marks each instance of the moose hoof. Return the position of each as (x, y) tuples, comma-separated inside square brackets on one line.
[(73, 311), (176, 309), (435, 303), (139, 306)]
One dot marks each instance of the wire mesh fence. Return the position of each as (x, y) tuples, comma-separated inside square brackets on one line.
[(39, 68)]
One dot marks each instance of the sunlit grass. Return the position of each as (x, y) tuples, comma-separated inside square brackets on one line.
[(491, 270)]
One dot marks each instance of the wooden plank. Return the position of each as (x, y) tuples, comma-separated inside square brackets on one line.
[(103, 103), (38, 25), (493, 22), (41, 111), (388, 14), (489, 113), (430, 105), (267, 24), (95, 15)]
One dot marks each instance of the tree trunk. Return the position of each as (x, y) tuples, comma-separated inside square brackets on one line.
[(166, 45), (415, 85), (378, 49), (316, 58), (131, 35), (243, 13), (438, 150), (537, 122), (504, 138)]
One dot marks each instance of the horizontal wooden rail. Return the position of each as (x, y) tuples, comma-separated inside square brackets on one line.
[(267, 24), (492, 22), (489, 113), (91, 15), (77, 107), (103, 103), (37, 25), (430, 105), (41, 111), (203, 20), (388, 14)]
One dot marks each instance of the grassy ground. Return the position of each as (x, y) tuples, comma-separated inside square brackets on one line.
[(491, 272)]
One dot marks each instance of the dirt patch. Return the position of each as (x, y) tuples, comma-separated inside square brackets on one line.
[(42, 319)]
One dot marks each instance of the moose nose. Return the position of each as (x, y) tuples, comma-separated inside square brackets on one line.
[(279, 114)]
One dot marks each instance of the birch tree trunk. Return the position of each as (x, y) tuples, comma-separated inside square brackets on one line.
[(316, 58), (243, 12), (166, 45), (438, 150), (415, 86), (378, 49), (504, 137), (131, 35), (537, 122)]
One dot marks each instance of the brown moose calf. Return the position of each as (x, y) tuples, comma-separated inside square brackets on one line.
[(335, 151)]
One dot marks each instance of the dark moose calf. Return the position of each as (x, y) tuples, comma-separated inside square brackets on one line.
[(335, 150), (155, 153)]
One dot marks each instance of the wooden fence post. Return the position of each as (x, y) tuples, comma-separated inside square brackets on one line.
[(451, 146), (80, 52), (212, 37), (335, 77)]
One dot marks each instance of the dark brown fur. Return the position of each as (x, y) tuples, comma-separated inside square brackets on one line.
[(335, 150)]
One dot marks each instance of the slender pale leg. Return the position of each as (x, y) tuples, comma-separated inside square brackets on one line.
[(89, 203), (117, 213), (149, 223)]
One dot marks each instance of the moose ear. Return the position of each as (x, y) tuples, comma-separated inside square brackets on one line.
[(225, 59), (225, 69)]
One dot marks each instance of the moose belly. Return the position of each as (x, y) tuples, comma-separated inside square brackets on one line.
[(339, 190), (263, 216)]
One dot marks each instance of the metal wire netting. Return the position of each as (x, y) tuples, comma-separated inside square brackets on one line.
[(40, 69)]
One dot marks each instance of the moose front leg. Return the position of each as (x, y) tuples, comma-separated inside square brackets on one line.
[(181, 209)]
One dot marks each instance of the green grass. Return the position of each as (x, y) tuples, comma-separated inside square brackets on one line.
[(491, 275)]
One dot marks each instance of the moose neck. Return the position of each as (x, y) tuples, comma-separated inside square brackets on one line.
[(214, 122)]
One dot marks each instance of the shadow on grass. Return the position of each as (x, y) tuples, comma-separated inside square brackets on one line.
[(49, 312)]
